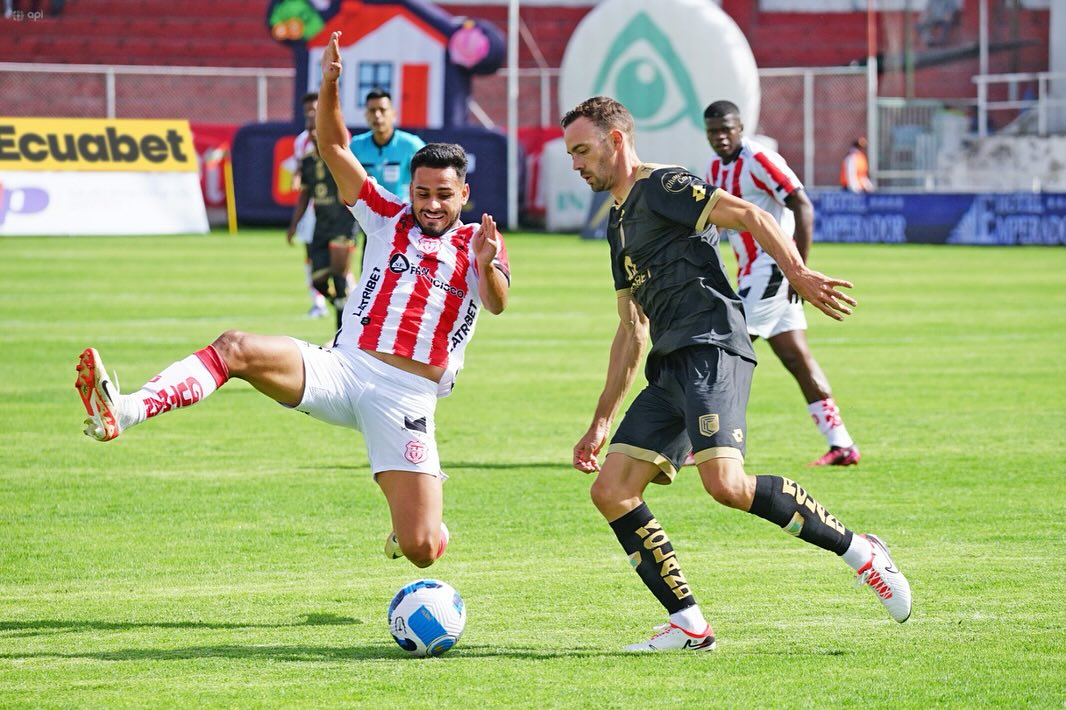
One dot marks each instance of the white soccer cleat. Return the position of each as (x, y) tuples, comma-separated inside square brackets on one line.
[(98, 393), (881, 575), (671, 637), (392, 545)]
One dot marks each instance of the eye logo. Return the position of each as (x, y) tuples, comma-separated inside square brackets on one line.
[(642, 70)]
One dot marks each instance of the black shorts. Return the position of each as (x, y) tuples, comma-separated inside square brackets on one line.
[(697, 401), (318, 253)]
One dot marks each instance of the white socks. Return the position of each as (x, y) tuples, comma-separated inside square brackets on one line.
[(859, 552), (690, 619), (183, 383), (826, 415)]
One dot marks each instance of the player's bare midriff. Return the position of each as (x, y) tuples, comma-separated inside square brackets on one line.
[(430, 372)]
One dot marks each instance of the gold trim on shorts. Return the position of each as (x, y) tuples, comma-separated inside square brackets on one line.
[(666, 469), (718, 452)]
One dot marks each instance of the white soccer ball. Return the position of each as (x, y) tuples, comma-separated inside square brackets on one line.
[(427, 617)]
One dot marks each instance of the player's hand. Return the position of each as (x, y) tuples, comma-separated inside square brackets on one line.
[(486, 241), (331, 59), (822, 292), (588, 446), (288, 236)]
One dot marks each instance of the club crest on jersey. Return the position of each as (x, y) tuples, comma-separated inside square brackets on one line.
[(426, 245), (399, 264), (709, 424), (415, 452)]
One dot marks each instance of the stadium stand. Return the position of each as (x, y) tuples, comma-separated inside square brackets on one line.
[(189, 33)]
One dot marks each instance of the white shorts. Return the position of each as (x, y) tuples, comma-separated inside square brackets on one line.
[(305, 228), (774, 314), (394, 409)]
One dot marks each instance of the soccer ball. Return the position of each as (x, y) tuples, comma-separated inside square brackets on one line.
[(427, 617)]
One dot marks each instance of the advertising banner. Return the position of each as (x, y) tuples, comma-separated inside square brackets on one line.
[(1004, 219), (98, 177), (993, 219), (83, 204)]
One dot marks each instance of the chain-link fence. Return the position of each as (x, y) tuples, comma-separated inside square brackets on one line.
[(202, 94)]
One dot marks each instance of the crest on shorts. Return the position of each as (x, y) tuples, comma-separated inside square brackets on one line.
[(415, 452), (709, 424)]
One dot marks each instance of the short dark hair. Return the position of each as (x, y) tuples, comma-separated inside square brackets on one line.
[(721, 109), (441, 155), (605, 113), (309, 97), (377, 93)]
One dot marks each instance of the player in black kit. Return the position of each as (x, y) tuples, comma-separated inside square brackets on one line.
[(670, 280), (335, 229)]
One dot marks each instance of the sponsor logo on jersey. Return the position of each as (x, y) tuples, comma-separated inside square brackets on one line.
[(398, 263), (415, 452), (464, 330), (699, 192), (677, 182), (368, 291), (635, 276), (423, 272)]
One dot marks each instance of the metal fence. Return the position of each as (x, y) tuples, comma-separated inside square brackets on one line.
[(813, 113), (204, 94)]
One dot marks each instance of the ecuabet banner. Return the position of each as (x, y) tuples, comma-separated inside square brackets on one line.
[(98, 177)]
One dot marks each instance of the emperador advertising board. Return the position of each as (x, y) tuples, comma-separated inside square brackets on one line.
[(73, 176)]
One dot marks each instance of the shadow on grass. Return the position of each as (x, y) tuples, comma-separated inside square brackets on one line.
[(32, 627), (311, 654)]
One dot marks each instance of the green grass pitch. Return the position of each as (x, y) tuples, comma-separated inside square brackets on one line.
[(230, 556)]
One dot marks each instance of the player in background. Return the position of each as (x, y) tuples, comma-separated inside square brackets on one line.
[(304, 227), (385, 151), (671, 284), (331, 246), (400, 347), (772, 308)]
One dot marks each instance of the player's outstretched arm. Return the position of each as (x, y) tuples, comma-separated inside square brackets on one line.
[(814, 287), (348, 172), (626, 352), (492, 285)]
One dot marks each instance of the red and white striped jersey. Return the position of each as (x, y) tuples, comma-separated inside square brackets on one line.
[(760, 176), (417, 296)]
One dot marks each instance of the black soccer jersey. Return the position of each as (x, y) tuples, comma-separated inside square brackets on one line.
[(664, 251), (332, 217)]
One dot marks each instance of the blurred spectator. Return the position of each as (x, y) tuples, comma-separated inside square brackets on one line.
[(937, 21), (855, 170)]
